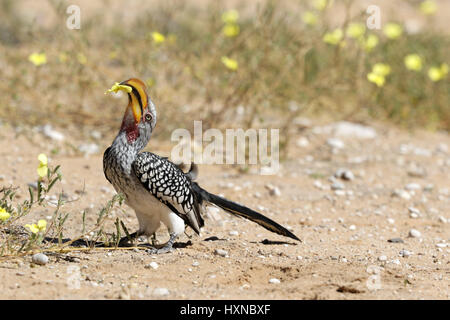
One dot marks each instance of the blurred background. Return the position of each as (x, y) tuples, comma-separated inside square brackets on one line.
[(229, 63)]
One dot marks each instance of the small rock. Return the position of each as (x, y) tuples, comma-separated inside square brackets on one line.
[(413, 186), (441, 245), (273, 190), (414, 233), (337, 186), (161, 292), (221, 252), (405, 253), (153, 265), (344, 174), (352, 227), (195, 264), (335, 143), (302, 142), (382, 258), (48, 131), (274, 281), (400, 193), (442, 219), (396, 240), (233, 233), (39, 258)]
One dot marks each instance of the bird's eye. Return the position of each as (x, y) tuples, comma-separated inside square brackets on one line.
[(148, 117)]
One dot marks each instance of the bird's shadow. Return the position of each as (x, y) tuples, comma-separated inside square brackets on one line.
[(83, 243)]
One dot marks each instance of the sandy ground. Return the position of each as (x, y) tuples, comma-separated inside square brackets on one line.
[(344, 254)]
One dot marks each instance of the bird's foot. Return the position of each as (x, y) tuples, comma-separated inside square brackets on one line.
[(127, 241), (168, 247)]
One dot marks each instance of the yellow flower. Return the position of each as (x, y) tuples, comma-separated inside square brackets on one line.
[(38, 59), (413, 62), (334, 37), (42, 169), (381, 69), (230, 16), (356, 30), (117, 87), (310, 18), (42, 225), (428, 7), (393, 30), (158, 37), (230, 30), (63, 57), (81, 58), (379, 80), (370, 42), (33, 228), (322, 4), (438, 73), (230, 63), (4, 215), (379, 73)]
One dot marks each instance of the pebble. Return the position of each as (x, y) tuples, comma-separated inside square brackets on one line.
[(352, 227), (335, 143), (48, 131), (441, 245), (221, 252), (405, 253), (273, 190), (160, 292), (413, 186), (442, 219), (40, 258), (400, 193), (153, 265), (414, 233), (396, 240), (344, 174), (302, 142), (337, 186), (382, 258), (195, 264), (274, 281), (233, 233)]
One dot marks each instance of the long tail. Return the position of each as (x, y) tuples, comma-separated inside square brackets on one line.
[(239, 210)]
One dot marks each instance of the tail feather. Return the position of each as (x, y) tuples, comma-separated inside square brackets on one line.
[(242, 211)]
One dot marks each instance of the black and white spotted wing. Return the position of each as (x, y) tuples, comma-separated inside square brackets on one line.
[(167, 183)]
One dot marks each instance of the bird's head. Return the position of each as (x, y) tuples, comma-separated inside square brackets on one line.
[(139, 119)]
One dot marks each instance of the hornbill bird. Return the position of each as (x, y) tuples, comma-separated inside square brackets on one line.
[(157, 189)]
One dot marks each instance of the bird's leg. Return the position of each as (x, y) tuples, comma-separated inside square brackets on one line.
[(154, 240), (124, 241), (166, 248)]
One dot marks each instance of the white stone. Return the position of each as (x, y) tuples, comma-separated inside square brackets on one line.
[(220, 252), (414, 233), (153, 265), (39, 258), (160, 292), (274, 281)]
